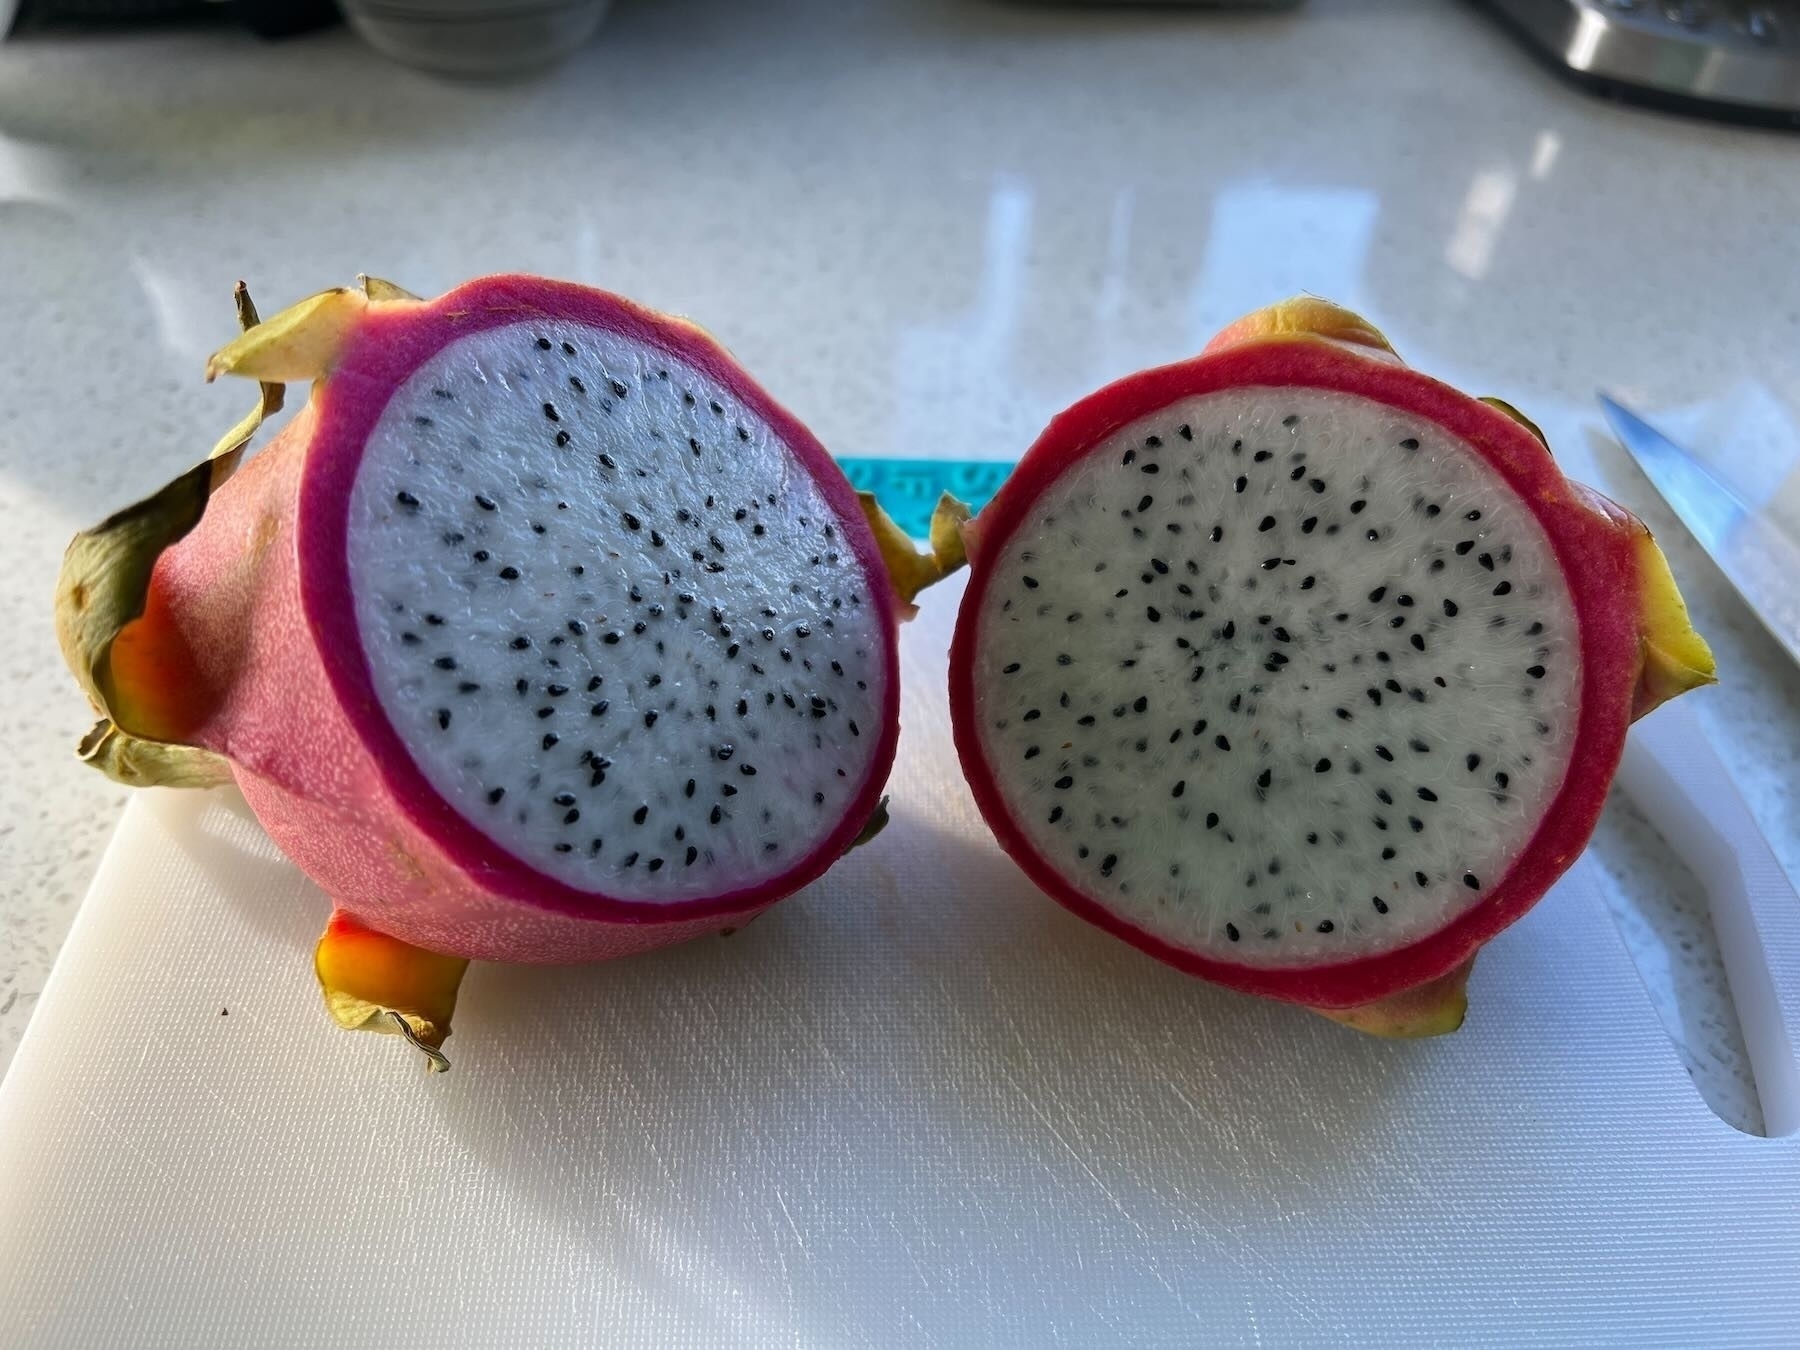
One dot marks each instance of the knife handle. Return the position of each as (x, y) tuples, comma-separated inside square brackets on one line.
[(1672, 772)]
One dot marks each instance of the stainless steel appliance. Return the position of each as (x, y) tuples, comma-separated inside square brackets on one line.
[(1738, 59)]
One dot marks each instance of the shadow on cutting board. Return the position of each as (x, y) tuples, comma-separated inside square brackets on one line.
[(920, 1029)]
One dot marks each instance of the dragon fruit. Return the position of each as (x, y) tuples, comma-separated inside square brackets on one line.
[(1303, 672), (540, 634)]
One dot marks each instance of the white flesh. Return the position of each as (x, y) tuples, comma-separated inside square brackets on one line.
[(559, 519), (1293, 866)]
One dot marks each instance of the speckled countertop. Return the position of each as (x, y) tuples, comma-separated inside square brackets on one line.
[(929, 226)]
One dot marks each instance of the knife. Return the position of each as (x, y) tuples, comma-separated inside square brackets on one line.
[(1756, 554)]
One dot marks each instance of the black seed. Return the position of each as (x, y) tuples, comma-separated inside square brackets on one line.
[(1212, 820), (1464, 547), (1382, 752), (467, 686), (481, 555), (1263, 779), (1420, 879), (748, 770), (1152, 613), (1425, 794), (599, 709), (1241, 483), (632, 522), (1418, 642), (1218, 533), (1487, 561), (443, 719), (1325, 925), (1536, 672), (509, 573), (1031, 583), (1144, 502), (1504, 588), (495, 794), (650, 718), (1064, 783), (545, 712), (1231, 932), (1470, 880), (485, 503), (1376, 595), (654, 865), (1323, 766), (550, 739), (1222, 743), (1266, 524), (1379, 903), (1418, 746), (1416, 824)]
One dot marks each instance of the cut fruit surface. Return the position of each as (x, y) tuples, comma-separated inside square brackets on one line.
[(1299, 669), (613, 626), (1243, 670)]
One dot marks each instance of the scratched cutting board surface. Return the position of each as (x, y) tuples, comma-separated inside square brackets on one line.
[(917, 1104)]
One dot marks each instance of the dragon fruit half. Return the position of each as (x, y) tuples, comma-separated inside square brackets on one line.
[(540, 634), (1302, 671)]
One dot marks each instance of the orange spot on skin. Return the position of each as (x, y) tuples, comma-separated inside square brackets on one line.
[(365, 974), (155, 687)]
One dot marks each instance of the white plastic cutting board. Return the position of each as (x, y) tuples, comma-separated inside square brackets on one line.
[(916, 1105)]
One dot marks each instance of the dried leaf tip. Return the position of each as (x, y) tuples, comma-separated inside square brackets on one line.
[(910, 569)]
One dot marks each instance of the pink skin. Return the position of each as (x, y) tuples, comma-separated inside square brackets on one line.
[(261, 590), (1593, 539)]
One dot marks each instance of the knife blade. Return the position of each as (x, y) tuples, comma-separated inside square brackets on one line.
[(1755, 553)]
